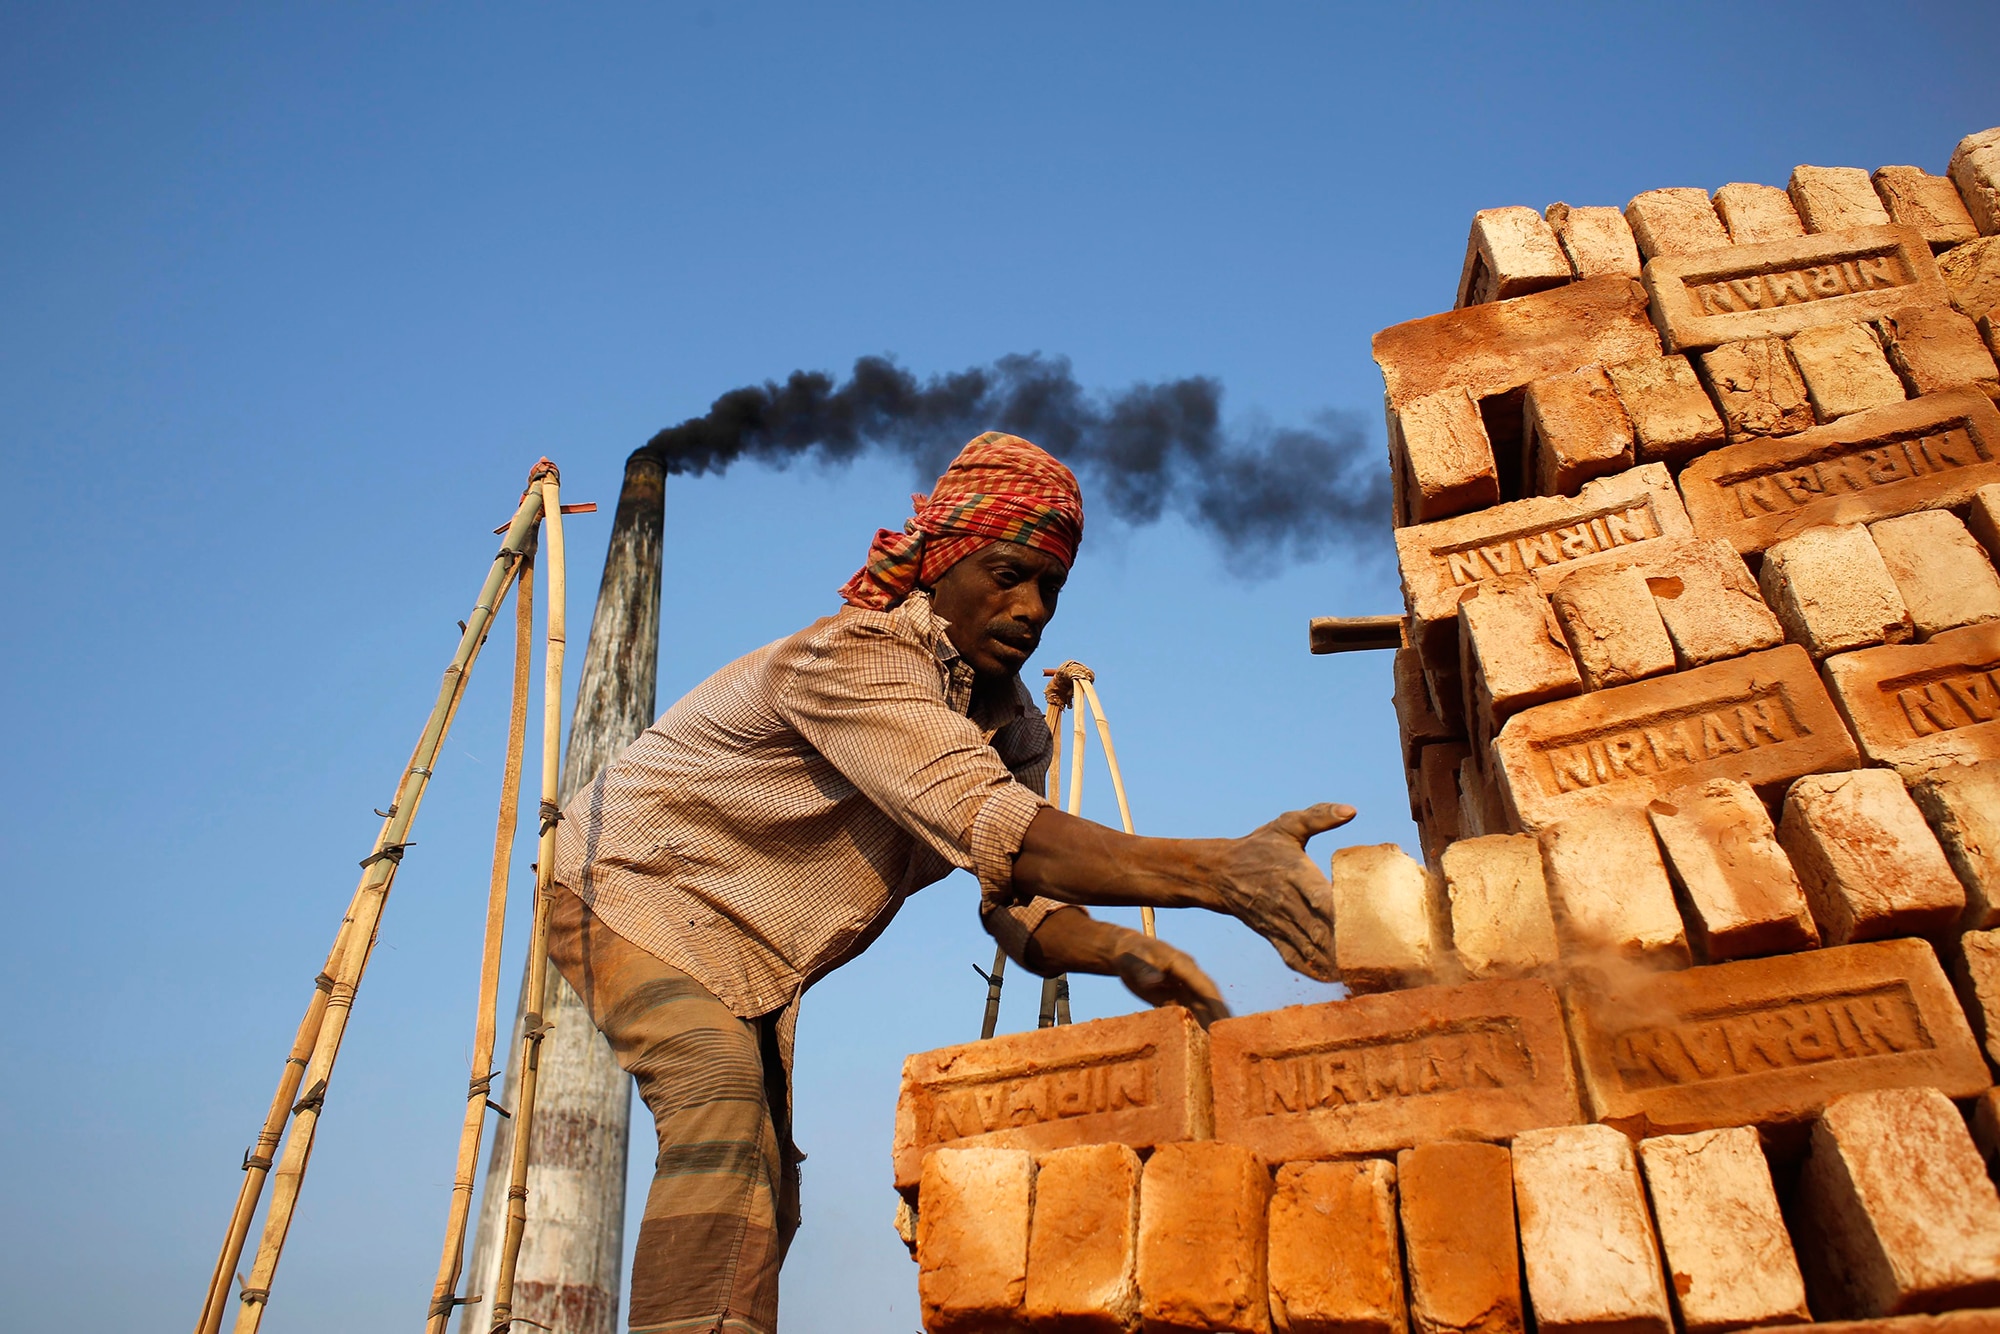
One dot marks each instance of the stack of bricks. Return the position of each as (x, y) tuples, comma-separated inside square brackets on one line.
[(1689, 1015)]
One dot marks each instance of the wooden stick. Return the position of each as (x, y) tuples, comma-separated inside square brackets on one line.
[(994, 981), (444, 1293), (1046, 1016), (357, 934), (533, 1028), (1349, 634)]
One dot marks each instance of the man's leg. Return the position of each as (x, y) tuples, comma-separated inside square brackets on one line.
[(711, 1239)]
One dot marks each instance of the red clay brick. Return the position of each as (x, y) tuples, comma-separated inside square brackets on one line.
[(1975, 170), (1982, 518), (972, 1239), (1836, 199), (1913, 705), (1678, 220), (1780, 287), (1334, 1261), (1083, 1245), (1944, 576), (1501, 923), (1202, 1241), (1961, 802), (1832, 591), (1845, 369), (1737, 889), (1513, 654), (1417, 723), (1763, 719), (1935, 348), (1867, 860), (1139, 1079), (1610, 892), (1757, 387), (1457, 1208), (1613, 625), (1769, 1042), (1755, 214), (1587, 1242), (1895, 1211), (1932, 452), (1573, 428), (1915, 198), (1438, 444), (1975, 972), (1499, 347), (1378, 1073), (1728, 1256), (1548, 536), (1598, 241), (1971, 274), (1672, 416), (1510, 253), (1437, 796), (1384, 934), (1457, 1205), (1947, 1322)]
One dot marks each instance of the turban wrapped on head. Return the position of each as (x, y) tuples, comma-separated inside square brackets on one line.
[(1000, 488)]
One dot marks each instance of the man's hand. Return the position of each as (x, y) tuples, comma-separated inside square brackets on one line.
[(1069, 941), (1271, 886), (1264, 879)]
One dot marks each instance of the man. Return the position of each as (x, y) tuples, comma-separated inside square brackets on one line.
[(766, 829)]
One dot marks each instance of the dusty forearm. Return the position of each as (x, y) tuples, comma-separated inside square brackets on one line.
[(1070, 940), (1073, 860)]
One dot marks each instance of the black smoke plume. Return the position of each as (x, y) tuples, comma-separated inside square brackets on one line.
[(1140, 453)]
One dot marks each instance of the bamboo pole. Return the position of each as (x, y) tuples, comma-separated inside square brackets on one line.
[(444, 1293), (357, 935), (1117, 779), (502, 1308), (572, 1261)]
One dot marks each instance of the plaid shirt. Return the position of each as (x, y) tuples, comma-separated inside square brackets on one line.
[(766, 829)]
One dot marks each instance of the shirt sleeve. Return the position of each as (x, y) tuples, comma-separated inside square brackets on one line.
[(872, 703), (1010, 925)]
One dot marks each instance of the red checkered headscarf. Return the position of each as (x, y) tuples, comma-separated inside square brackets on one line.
[(1000, 488)]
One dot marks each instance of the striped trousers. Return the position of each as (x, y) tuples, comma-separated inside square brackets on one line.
[(725, 1196)]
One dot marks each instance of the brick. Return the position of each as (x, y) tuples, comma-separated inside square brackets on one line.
[(1985, 1121), (1675, 221), (1975, 170), (1437, 795), (1934, 348), (1971, 274), (1609, 890), (1335, 1265), (1481, 812), (1587, 1242), (1083, 1243), (1943, 575), (1417, 723), (1763, 719), (1836, 199), (1932, 452), (1597, 241), (1975, 972), (1867, 860), (1711, 605), (1456, 1203), (1736, 886), (1545, 535), (1513, 653), (1982, 519), (1374, 1074), (1961, 803), (1613, 626), (1510, 253), (1757, 387), (1139, 1079), (972, 1239), (1777, 288), (1728, 1255), (1917, 705), (1499, 347), (1757, 213), (1382, 920), (1915, 198), (1844, 369), (1671, 414), (1440, 445), (1769, 1042), (1202, 1240), (1501, 923), (1894, 1209), (1832, 592), (1573, 428)]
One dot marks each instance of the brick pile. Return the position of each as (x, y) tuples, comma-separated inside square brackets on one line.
[(1688, 1017)]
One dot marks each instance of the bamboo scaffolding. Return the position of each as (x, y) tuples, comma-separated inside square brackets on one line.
[(333, 998), (502, 1309), (444, 1293)]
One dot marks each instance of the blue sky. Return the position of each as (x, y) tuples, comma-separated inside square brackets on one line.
[(294, 295)]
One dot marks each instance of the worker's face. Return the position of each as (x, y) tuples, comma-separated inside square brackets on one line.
[(997, 601)]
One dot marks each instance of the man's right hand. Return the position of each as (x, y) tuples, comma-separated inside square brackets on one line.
[(1269, 884)]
